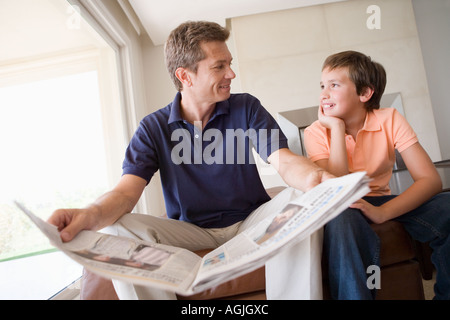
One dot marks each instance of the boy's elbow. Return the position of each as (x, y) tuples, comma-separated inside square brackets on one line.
[(437, 183)]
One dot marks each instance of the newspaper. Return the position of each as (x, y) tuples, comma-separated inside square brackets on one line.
[(182, 271)]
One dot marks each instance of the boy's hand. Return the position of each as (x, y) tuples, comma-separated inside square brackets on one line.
[(375, 214), (329, 122)]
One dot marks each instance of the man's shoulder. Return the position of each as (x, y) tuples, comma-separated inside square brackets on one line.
[(158, 115), (242, 98)]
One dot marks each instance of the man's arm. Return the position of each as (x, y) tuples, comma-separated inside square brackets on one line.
[(106, 210), (297, 171)]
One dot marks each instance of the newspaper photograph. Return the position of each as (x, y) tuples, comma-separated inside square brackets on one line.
[(295, 222), (184, 272)]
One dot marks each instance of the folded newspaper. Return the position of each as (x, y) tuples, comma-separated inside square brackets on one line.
[(182, 271)]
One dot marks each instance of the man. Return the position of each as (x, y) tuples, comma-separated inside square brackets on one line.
[(211, 186)]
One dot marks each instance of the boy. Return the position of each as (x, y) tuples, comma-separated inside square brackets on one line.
[(353, 134)]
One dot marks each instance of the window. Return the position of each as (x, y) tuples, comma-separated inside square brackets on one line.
[(54, 155), (62, 135)]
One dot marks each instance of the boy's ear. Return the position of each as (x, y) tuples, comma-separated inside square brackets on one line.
[(366, 94)]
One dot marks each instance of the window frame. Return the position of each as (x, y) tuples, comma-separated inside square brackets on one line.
[(126, 84), (105, 20)]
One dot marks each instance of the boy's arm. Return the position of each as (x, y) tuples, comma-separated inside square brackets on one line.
[(427, 183), (337, 163)]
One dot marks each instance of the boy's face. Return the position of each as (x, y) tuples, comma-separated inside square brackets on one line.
[(338, 97)]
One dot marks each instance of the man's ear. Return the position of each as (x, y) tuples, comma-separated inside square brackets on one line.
[(183, 75), (366, 94)]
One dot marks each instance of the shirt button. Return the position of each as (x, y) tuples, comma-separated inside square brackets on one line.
[(196, 136)]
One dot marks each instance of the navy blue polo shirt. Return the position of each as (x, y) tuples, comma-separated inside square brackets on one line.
[(209, 177)]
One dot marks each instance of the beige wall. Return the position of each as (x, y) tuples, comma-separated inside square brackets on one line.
[(159, 93), (280, 55), (278, 58)]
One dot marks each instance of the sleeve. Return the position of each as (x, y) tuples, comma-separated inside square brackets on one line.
[(268, 136), (140, 157), (403, 134), (317, 144)]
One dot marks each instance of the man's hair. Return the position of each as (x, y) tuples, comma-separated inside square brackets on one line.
[(363, 72), (182, 48)]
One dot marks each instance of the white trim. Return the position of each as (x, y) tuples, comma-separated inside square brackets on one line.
[(131, 15), (98, 17), (103, 20), (48, 66)]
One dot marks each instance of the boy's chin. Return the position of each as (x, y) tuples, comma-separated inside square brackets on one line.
[(329, 112)]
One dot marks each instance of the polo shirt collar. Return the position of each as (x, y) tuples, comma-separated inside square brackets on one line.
[(175, 112), (371, 123), (222, 107)]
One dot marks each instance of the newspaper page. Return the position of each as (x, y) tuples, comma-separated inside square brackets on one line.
[(126, 259), (293, 223), (184, 272)]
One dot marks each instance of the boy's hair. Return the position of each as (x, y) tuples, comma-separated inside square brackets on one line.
[(182, 48), (363, 72)]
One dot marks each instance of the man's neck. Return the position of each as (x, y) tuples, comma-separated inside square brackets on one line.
[(194, 112)]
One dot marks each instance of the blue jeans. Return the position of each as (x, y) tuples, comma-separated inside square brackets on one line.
[(350, 245)]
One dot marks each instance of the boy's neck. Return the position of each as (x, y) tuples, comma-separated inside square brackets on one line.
[(355, 123)]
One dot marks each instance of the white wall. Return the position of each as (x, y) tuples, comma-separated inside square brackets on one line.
[(123, 34), (278, 57), (433, 23), (159, 92), (281, 53)]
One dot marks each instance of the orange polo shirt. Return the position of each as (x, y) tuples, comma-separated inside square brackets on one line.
[(373, 151)]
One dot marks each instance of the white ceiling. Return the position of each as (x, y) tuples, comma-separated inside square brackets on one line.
[(159, 17), (31, 28), (42, 27)]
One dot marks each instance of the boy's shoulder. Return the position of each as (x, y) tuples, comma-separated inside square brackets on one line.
[(386, 112), (384, 115), (315, 126)]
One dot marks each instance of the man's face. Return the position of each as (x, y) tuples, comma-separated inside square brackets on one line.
[(212, 82)]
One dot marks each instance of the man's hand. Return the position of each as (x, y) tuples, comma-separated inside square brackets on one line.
[(71, 221), (317, 177), (106, 210), (297, 171)]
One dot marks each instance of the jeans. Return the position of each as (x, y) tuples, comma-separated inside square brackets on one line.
[(351, 245)]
